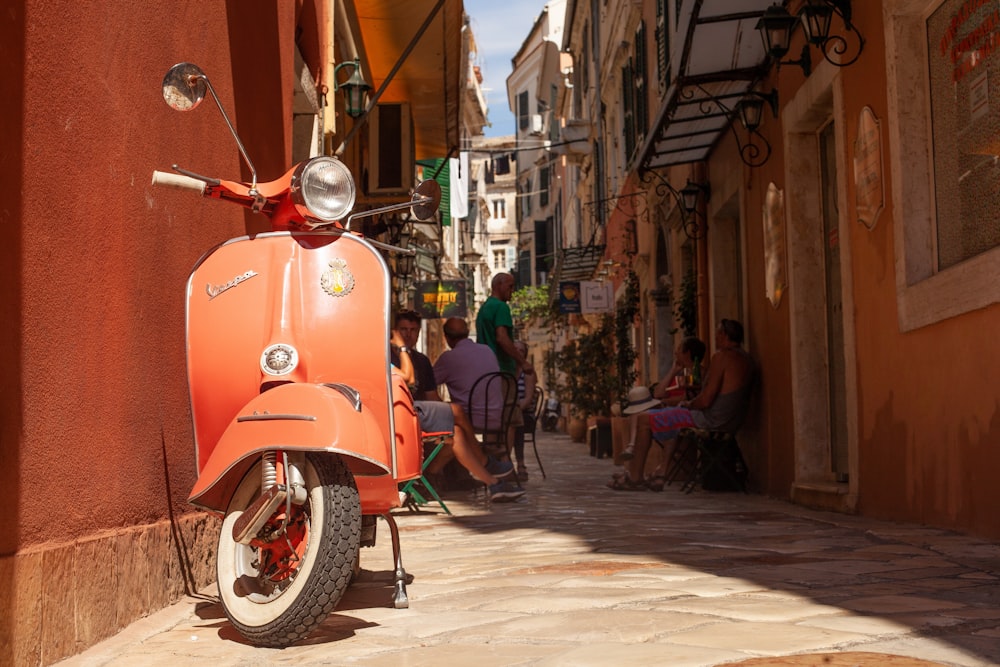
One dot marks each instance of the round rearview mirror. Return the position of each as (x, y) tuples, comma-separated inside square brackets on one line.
[(426, 199), (184, 86)]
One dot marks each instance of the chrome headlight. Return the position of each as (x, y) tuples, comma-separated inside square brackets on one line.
[(324, 187), (279, 359)]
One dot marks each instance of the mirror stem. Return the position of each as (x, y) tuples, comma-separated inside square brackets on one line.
[(243, 152)]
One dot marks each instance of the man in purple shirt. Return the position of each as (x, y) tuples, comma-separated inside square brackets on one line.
[(462, 365)]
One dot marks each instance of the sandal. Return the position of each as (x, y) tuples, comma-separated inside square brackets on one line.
[(623, 483), (656, 483)]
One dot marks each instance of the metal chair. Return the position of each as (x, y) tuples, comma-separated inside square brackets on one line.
[(529, 428), (435, 442), (492, 401), (720, 465)]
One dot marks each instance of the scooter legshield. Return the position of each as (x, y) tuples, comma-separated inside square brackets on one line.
[(297, 417)]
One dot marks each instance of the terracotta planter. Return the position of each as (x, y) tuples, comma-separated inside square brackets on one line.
[(576, 428)]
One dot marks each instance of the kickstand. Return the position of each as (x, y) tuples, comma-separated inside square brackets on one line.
[(399, 598)]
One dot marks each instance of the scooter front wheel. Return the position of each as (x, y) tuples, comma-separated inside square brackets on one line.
[(285, 582)]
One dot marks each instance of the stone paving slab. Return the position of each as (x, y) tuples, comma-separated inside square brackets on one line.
[(577, 574)]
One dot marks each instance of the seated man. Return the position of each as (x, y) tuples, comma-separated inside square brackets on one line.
[(719, 406), (460, 367), (441, 417), (408, 326)]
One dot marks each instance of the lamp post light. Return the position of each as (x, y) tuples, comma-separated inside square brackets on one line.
[(355, 89), (404, 261), (816, 17)]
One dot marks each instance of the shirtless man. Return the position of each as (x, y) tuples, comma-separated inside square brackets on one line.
[(719, 406)]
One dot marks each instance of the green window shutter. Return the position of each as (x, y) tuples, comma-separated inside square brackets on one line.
[(437, 168)]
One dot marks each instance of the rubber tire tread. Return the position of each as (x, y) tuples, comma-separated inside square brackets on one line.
[(338, 547)]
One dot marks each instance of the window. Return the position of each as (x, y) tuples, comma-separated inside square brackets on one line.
[(504, 258), (635, 114), (523, 119), (390, 131), (963, 49), (499, 208), (543, 244), (946, 262)]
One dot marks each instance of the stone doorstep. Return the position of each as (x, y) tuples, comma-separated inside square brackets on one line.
[(830, 496)]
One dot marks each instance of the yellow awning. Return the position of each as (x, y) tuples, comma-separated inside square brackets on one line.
[(430, 78)]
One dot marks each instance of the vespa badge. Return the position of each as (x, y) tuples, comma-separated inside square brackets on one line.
[(338, 279)]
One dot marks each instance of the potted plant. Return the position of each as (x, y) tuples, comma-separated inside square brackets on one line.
[(588, 367)]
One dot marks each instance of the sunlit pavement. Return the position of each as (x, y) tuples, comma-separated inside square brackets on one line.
[(577, 574)]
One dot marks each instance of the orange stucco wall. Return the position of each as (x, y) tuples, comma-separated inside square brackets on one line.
[(929, 416), (928, 411), (95, 433)]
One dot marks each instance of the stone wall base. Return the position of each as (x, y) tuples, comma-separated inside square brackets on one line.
[(59, 600)]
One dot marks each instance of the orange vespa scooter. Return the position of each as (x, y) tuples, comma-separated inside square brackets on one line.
[(302, 432)]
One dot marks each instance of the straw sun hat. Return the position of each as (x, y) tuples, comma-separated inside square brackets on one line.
[(640, 400)]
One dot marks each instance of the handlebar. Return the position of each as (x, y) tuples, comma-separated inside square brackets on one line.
[(178, 181)]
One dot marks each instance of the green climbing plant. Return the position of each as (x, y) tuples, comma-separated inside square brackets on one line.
[(626, 311), (686, 308), (528, 303)]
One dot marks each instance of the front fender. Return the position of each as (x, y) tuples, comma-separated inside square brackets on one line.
[(299, 417)]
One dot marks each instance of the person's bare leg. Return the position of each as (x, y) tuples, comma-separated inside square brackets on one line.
[(467, 449), (633, 429), (668, 452), (446, 454), (472, 458), (636, 467)]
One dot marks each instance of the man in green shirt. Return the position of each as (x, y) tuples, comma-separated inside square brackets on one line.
[(495, 327)]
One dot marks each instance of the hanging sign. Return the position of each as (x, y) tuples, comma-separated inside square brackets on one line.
[(596, 297), (869, 188), (774, 244), (585, 297), (569, 296), (440, 299)]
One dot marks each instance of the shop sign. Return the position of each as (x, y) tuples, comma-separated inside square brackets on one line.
[(440, 299), (586, 297)]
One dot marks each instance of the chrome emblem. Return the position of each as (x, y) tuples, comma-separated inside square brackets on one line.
[(279, 359), (338, 279), (215, 290)]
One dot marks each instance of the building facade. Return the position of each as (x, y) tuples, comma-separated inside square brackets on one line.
[(843, 206)]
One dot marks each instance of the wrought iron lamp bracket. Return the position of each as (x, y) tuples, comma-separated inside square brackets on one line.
[(693, 222)]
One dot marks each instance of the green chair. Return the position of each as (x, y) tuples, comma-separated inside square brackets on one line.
[(414, 498)]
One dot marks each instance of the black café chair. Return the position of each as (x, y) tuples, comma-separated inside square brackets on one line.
[(488, 392), (529, 428)]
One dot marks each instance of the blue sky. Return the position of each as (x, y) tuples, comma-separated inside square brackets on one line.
[(500, 27)]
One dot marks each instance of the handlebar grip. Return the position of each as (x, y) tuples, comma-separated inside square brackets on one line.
[(178, 181)]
